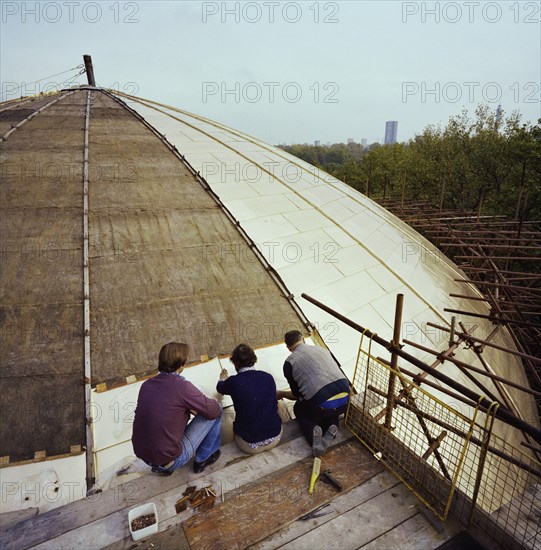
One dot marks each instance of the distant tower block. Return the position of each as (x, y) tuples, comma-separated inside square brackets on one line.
[(499, 114), (350, 140), (364, 142), (391, 130), (317, 143)]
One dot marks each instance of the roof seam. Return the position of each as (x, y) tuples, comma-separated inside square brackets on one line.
[(29, 117), (139, 100), (273, 273)]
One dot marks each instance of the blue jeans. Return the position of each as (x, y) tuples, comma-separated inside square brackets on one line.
[(201, 439)]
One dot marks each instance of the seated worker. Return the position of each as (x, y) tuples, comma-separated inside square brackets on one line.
[(162, 436), (257, 425), (320, 388)]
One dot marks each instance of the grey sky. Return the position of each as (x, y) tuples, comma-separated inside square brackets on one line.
[(289, 72)]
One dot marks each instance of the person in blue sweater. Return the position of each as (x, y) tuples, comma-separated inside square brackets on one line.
[(257, 426)]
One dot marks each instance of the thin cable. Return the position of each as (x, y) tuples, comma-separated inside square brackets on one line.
[(57, 74), (72, 79), (26, 84)]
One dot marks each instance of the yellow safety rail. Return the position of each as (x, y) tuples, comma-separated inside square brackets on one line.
[(447, 453)]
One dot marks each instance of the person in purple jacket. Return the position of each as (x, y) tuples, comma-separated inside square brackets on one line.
[(163, 436), (257, 426)]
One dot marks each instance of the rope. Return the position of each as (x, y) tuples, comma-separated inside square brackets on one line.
[(57, 74)]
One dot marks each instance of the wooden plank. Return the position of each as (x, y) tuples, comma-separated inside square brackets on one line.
[(261, 510), (361, 524), (172, 523), (415, 532), (11, 518), (341, 504), (172, 539), (101, 520)]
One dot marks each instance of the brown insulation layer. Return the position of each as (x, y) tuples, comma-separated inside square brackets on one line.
[(166, 264), (41, 312)]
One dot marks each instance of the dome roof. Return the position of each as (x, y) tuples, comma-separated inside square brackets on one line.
[(127, 224), (163, 265)]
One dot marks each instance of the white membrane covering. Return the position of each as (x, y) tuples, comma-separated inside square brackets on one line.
[(332, 242)]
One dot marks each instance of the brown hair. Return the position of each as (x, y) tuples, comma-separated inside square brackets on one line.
[(173, 356), (291, 337), (243, 356)]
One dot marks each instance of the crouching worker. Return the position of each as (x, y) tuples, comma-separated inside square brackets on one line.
[(257, 426), (162, 435), (320, 388)]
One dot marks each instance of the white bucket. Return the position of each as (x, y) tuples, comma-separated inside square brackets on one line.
[(143, 510)]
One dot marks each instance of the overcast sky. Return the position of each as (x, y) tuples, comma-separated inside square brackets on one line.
[(288, 72)]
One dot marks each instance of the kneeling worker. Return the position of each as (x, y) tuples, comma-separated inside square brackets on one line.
[(320, 388)]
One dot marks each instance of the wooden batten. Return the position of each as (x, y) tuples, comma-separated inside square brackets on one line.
[(132, 378), (41, 456)]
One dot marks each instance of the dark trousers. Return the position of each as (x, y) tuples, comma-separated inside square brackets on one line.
[(309, 416)]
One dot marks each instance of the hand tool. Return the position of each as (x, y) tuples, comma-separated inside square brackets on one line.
[(316, 513), (315, 474), (331, 480)]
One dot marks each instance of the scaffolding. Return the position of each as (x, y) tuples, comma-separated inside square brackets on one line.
[(458, 459), (502, 258), (455, 464)]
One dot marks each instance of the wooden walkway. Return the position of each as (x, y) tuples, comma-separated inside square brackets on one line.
[(374, 510)]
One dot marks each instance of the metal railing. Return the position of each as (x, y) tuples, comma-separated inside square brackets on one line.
[(449, 456)]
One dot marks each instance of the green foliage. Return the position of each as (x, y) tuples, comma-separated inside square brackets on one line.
[(489, 163)]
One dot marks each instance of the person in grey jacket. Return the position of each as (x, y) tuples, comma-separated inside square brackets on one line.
[(319, 387)]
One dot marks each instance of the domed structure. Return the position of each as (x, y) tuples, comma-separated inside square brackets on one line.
[(127, 224)]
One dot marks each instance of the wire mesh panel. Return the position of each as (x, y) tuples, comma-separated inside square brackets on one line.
[(427, 443), (510, 490), (449, 458)]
